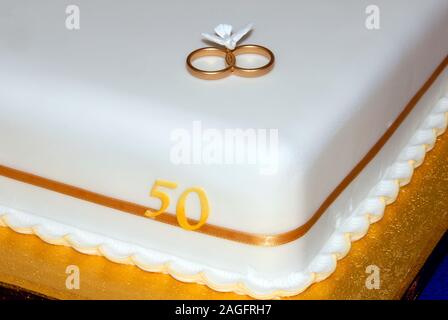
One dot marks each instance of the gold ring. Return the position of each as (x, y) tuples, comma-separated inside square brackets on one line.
[(230, 58), (254, 72), (211, 52)]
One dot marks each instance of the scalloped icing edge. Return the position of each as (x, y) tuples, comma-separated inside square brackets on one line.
[(351, 229)]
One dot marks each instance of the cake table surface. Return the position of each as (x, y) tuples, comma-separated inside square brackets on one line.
[(399, 244)]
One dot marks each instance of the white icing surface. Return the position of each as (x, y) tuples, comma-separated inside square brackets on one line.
[(95, 107)]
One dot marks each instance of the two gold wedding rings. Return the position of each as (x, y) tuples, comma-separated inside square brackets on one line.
[(231, 62)]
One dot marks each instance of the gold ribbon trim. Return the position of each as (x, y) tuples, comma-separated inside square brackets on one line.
[(217, 231)]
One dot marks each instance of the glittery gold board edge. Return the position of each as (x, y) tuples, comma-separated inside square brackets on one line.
[(399, 245)]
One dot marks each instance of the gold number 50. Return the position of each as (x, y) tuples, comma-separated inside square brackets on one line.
[(180, 208)]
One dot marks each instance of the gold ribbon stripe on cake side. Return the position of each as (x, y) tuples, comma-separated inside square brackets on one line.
[(217, 231)]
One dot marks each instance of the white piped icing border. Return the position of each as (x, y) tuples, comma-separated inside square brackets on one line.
[(354, 227)]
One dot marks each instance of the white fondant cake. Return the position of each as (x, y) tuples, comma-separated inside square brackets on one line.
[(92, 118)]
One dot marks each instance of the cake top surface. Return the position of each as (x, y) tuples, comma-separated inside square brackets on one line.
[(335, 88), (328, 62)]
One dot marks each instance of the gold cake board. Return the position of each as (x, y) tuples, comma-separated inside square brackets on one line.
[(399, 245)]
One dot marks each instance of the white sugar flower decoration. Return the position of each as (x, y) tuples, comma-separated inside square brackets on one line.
[(225, 37)]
